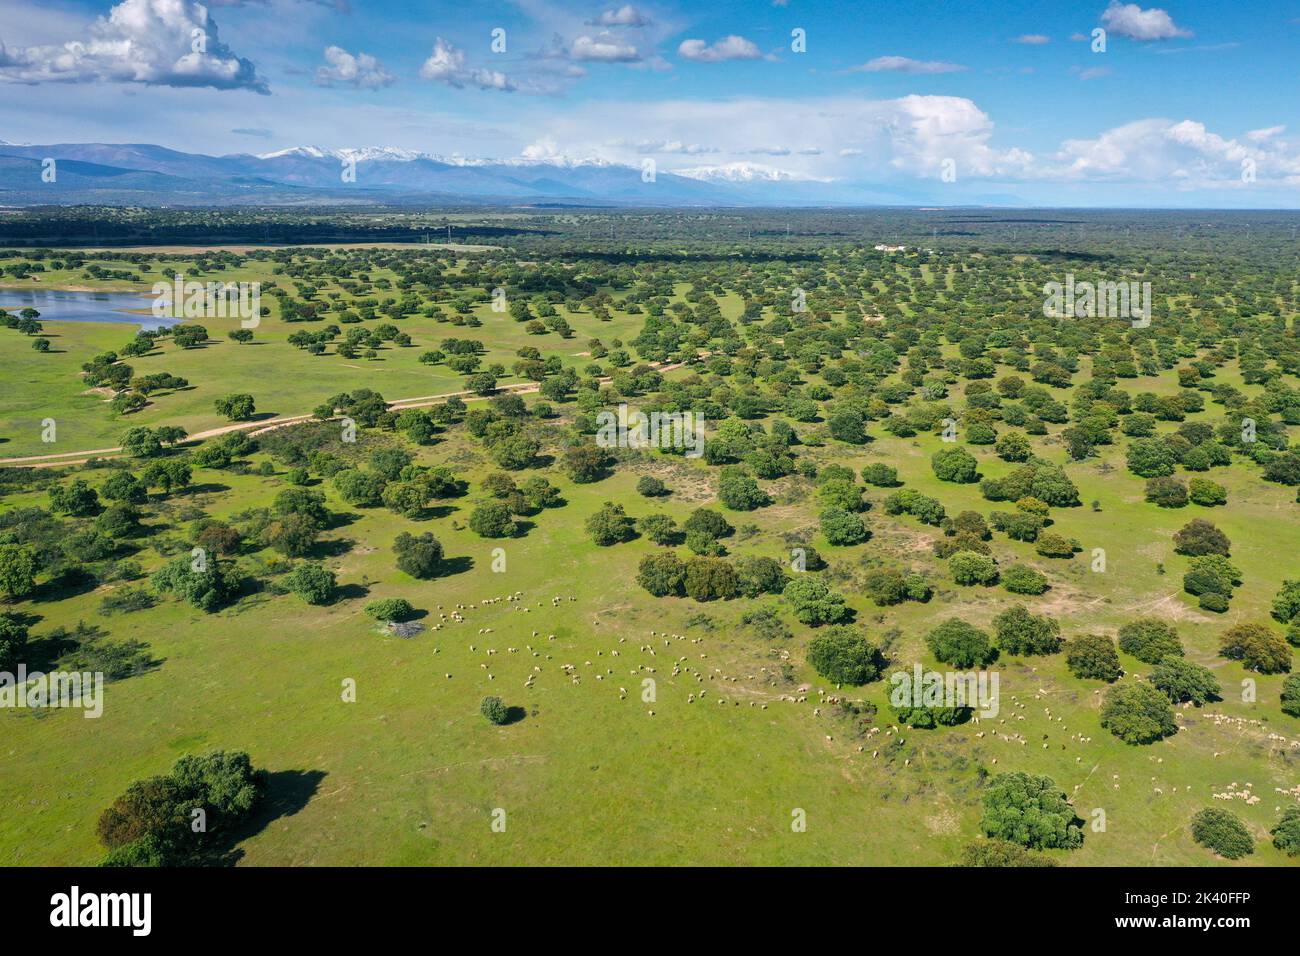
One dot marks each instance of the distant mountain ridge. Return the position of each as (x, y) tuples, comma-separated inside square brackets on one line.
[(148, 175), (144, 174)]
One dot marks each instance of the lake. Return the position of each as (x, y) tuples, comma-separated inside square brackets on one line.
[(58, 305)]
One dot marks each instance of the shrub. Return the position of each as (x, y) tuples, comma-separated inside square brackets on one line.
[(13, 642), (1020, 632), (1286, 606), (841, 494), (1001, 853), (1209, 601), (1258, 648), (814, 603), (1150, 640), (927, 510), (312, 582), (126, 600), (237, 408), (738, 490), (924, 717), (610, 525), (390, 609), (420, 557), (760, 575), (1207, 493), (1092, 656), (1199, 537), (1030, 811), (885, 586), (842, 527), (650, 487), (150, 824), (969, 568), (1053, 545), (1151, 458), (1180, 680), (1022, 579), (949, 545), (880, 475), (1286, 835), (1167, 492), (708, 579), (661, 574), (1223, 832), (1211, 573), (207, 589), (1291, 696), (841, 654), (492, 519), (495, 710), (709, 522), (955, 464), (960, 644), (659, 528), (918, 589), (1137, 713), (18, 566)]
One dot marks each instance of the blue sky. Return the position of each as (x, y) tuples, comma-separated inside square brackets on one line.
[(1190, 103)]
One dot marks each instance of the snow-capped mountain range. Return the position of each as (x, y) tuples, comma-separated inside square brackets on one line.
[(144, 174)]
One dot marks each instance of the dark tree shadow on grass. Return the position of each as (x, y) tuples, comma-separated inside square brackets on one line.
[(452, 566), (206, 488), (334, 548), (514, 715), (71, 582), (341, 519), (287, 792), (41, 653), (350, 592)]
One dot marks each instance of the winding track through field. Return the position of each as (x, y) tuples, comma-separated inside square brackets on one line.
[(266, 425)]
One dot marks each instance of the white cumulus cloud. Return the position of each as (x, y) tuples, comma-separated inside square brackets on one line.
[(155, 42), (603, 49), (1130, 20), (625, 16), (728, 48), (1183, 153), (362, 71), (446, 64)]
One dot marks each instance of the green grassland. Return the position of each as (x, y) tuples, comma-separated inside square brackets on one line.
[(712, 770), (284, 379), (410, 774)]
